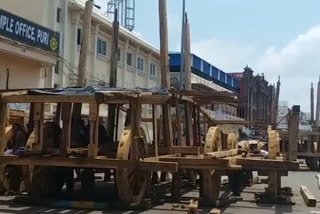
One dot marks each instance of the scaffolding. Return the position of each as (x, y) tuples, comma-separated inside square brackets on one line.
[(126, 10)]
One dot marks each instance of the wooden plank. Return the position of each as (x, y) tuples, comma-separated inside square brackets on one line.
[(186, 150), (221, 154), (308, 198), (293, 128), (253, 163), (3, 121)]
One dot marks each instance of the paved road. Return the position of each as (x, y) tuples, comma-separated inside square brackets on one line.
[(247, 206)]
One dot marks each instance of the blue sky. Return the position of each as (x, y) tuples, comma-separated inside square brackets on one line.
[(274, 37)]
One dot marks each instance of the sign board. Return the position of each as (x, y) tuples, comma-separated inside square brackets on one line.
[(22, 30), (175, 78)]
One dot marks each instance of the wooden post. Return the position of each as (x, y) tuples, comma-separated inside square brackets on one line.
[(293, 129), (178, 122), (211, 182), (135, 125), (187, 55), (94, 130), (31, 119), (165, 80), (58, 114), (39, 124), (3, 120), (7, 79), (175, 187), (66, 112), (113, 74), (188, 85), (82, 68), (155, 129)]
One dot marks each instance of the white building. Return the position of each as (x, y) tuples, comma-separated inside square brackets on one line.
[(139, 61)]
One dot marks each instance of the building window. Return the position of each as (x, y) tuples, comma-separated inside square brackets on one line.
[(129, 59), (140, 63), (79, 36), (58, 15), (102, 47), (152, 69)]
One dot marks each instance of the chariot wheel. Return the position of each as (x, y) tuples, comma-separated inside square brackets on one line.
[(213, 140), (232, 141), (131, 183), (211, 179)]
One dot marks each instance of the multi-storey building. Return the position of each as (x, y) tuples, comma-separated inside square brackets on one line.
[(257, 97), (138, 63), (138, 60)]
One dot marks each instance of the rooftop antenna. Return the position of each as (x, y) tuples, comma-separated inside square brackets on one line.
[(126, 12)]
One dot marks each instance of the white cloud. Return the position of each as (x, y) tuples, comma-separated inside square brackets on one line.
[(297, 62), (298, 65)]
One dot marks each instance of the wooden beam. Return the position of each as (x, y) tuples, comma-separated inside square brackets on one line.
[(221, 154), (100, 162), (308, 198), (3, 120), (252, 163), (186, 150)]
